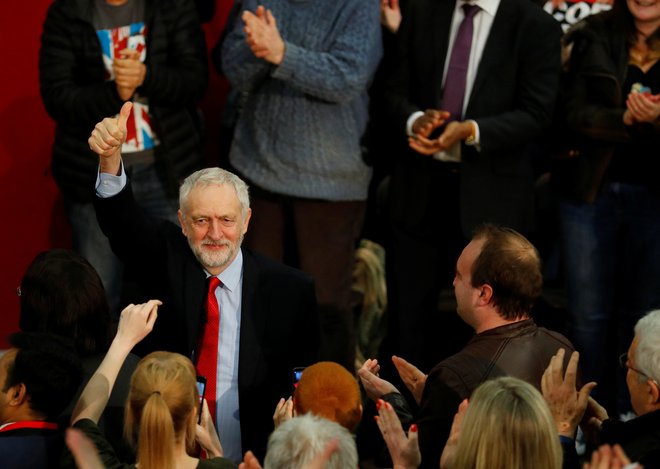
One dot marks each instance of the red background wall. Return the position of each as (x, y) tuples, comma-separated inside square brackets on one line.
[(32, 218)]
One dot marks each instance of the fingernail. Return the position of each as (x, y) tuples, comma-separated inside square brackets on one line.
[(379, 402), (413, 428)]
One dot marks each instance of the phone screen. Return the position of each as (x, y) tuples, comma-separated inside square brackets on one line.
[(296, 374), (201, 389)]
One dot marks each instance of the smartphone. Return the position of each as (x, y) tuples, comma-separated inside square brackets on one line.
[(639, 88), (296, 374), (201, 389)]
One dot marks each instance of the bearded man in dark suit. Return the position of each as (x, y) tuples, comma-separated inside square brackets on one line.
[(268, 323)]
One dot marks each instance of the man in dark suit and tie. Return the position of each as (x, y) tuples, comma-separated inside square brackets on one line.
[(474, 83), (244, 320)]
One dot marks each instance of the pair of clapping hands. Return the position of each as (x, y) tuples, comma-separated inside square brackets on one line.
[(569, 406)]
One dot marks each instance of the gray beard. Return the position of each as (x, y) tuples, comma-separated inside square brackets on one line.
[(215, 260)]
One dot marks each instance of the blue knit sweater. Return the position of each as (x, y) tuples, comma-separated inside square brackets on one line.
[(301, 123)]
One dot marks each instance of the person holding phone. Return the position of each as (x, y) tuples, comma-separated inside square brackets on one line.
[(609, 204), (161, 405)]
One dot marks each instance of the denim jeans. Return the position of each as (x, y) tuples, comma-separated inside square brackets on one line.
[(90, 242), (612, 259)]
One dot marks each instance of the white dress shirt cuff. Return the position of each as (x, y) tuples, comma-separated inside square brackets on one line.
[(109, 185), (411, 120), (477, 136)]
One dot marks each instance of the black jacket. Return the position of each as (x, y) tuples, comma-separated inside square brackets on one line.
[(77, 96), (639, 437), (594, 105)]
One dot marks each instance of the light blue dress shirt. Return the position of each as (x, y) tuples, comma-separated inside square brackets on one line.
[(229, 301)]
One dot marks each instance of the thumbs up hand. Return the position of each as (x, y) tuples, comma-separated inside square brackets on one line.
[(107, 138)]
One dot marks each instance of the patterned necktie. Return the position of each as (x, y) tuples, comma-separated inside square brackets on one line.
[(454, 92), (207, 363)]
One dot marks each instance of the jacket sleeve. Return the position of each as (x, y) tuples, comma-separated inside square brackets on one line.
[(177, 71), (594, 105), (133, 236), (398, 100), (67, 97), (436, 413), (537, 86)]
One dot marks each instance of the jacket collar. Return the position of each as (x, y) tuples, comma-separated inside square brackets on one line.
[(514, 328)]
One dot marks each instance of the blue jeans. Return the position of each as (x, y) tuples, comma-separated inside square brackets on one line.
[(612, 257), (90, 242)]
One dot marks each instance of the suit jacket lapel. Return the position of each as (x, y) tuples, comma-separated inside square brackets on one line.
[(440, 24), (493, 54), (194, 300), (252, 323)]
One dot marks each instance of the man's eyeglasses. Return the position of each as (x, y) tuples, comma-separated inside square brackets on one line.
[(625, 364)]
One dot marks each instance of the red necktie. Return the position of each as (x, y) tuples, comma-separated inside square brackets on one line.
[(455, 81), (207, 363)]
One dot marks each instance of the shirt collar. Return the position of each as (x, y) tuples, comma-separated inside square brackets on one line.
[(489, 6), (231, 276)]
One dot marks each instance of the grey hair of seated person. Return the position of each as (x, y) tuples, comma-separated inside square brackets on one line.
[(294, 443), (647, 354), (215, 177)]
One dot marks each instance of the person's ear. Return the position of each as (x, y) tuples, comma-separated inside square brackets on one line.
[(184, 228), (654, 393), (485, 294), (17, 394), (246, 221)]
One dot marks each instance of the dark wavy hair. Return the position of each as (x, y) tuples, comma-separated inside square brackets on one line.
[(49, 368), (623, 21), (62, 294)]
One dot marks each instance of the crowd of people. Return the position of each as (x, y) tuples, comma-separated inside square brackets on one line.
[(429, 127)]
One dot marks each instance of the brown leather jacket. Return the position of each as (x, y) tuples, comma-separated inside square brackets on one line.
[(521, 349)]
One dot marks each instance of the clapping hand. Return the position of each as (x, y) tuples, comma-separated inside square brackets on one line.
[(262, 35), (566, 403), (403, 449)]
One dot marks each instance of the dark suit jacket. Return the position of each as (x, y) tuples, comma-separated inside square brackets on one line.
[(512, 101), (279, 322)]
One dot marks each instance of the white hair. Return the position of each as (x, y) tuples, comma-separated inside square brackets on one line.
[(215, 177), (647, 354), (297, 441)]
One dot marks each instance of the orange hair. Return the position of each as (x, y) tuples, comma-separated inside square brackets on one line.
[(328, 390)]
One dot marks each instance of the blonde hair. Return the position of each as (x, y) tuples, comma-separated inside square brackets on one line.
[(160, 408), (507, 425)]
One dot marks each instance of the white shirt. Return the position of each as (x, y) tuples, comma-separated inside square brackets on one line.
[(483, 22)]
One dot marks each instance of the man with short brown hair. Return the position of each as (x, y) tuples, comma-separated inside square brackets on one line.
[(498, 278)]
